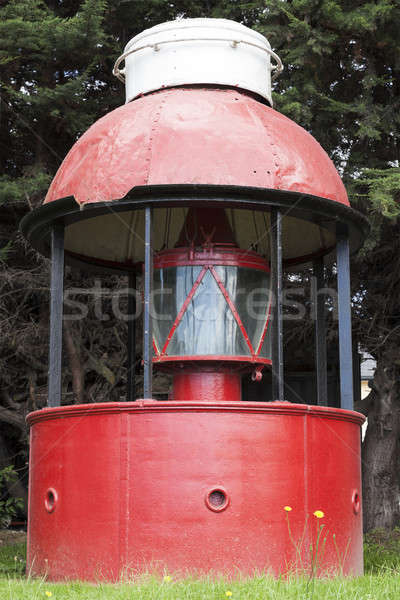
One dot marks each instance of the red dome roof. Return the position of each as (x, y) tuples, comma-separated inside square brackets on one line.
[(195, 136)]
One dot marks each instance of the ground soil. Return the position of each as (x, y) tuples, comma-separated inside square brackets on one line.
[(8, 537)]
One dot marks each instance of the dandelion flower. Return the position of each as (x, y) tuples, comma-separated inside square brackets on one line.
[(319, 514), (48, 594), (167, 578), (228, 593), (287, 508)]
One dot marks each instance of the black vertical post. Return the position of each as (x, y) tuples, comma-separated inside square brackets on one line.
[(56, 315), (276, 288), (131, 383), (344, 301), (147, 324), (320, 332)]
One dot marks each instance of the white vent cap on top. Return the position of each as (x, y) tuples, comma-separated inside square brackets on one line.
[(198, 51)]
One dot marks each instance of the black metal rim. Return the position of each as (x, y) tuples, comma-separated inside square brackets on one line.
[(36, 225)]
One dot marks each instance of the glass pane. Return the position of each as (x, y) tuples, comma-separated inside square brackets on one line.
[(171, 288), (208, 326), (266, 347), (249, 290)]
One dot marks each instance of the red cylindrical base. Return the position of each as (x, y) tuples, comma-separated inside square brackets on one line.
[(206, 386), (183, 487)]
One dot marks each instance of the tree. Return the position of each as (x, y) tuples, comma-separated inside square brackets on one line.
[(56, 61), (378, 326), (341, 82), (49, 95)]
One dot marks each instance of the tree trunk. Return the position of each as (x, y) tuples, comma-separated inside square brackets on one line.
[(75, 362), (380, 452)]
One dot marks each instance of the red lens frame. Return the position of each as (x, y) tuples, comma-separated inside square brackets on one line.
[(209, 258)]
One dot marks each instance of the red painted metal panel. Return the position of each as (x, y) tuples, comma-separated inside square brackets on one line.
[(195, 136), (135, 481), (78, 458), (214, 255), (334, 477), (227, 360), (207, 386)]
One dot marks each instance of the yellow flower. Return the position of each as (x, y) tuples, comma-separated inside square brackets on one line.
[(228, 593), (319, 514), (287, 508), (167, 578), (48, 594)]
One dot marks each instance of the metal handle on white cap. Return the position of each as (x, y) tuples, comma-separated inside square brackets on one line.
[(120, 73)]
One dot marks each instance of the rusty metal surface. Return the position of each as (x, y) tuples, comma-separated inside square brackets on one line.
[(195, 136)]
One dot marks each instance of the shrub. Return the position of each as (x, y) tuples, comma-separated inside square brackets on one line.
[(9, 507)]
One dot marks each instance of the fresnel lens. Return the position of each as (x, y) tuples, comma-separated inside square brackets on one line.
[(211, 309)]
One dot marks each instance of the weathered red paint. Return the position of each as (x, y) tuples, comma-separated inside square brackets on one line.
[(242, 363), (198, 483), (194, 136), (131, 486), (216, 255), (202, 385)]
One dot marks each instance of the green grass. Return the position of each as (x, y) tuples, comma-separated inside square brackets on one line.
[(369, 587), (382, 580), (12, 561), (382, 551)]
